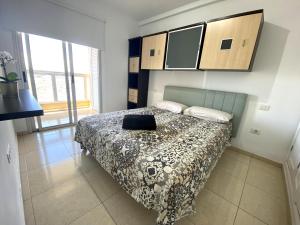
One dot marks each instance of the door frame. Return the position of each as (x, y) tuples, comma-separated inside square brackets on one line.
[(73, 89), (21, 68), (34, 92)]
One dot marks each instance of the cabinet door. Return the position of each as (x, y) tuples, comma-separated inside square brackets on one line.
[(134, 64), (229, 44), (153, 52), (293, 165), (294, 156), (133, 95)]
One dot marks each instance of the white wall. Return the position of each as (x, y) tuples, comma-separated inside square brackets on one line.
[(275, 78), (11, 203)]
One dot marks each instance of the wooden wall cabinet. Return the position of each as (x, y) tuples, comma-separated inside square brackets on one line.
[(138, 79), (153, 51), (230, 43)]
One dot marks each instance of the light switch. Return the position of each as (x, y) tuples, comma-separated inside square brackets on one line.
[(264, 107)]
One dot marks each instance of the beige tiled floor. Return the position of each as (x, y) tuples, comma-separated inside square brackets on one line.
[(62, 186)]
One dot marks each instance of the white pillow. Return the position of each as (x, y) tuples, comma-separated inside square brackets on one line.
[(208, 114), (174, 107)]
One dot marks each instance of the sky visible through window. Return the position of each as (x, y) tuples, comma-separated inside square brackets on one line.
[(47, 55)]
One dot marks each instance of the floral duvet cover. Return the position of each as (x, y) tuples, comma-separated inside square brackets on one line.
[(163, 169)]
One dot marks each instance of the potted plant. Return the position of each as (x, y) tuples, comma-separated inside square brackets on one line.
[(8, 83)]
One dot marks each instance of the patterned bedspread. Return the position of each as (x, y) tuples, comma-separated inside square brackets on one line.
[(163, 169)]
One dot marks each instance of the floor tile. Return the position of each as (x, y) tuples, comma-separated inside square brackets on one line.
[(21, 144), (97, 216), (28, 212), (267, 208), (67, 133), (42, 179), (47, 132), (226, 186), (86, 162), (64, 203), (184, 221), (213, 210), (232, 165), (73, 147), (52, 154), (266, 167), (126, 211), (244, 218), (38, 140), (25, 186), (102, 183), (22, 162), (270, 182), (30, 143), (234, 154), (48, 140)]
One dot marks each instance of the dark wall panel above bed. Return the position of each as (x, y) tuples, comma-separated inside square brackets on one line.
[(183, 47), (221, 100)]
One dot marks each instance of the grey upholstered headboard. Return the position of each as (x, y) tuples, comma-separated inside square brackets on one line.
[(221, 100)]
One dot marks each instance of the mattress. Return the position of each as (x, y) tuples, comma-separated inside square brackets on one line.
[(163, 169)]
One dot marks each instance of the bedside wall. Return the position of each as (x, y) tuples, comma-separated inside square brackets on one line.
[(11, 204)]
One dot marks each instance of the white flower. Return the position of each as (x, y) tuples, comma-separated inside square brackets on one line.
[(6, 57)]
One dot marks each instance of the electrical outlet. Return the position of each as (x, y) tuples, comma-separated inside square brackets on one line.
[(255, 131), (264, 107)]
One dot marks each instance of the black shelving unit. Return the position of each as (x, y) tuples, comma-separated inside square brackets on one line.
[(137, 79)]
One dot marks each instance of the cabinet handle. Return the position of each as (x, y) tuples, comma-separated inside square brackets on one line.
[(24, 76), (244, 43), (152, 52)]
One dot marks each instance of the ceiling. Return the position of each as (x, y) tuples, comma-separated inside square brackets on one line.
[(144, 9)]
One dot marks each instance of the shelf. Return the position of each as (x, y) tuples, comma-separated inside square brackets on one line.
[(133, 81), (24, 106), (137, 79), (131, 105), (134, 47)]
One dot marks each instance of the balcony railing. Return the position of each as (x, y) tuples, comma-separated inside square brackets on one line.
[(52, 92)]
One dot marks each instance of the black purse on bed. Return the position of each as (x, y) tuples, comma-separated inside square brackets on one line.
[(139, 122)]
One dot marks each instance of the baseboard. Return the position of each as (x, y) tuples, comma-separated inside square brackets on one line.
[(295, 220), (21, 133)]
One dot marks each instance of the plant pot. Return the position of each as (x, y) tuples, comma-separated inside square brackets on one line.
[(9, 89)]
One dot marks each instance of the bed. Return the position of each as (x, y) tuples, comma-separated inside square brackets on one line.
[(163, 169)]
